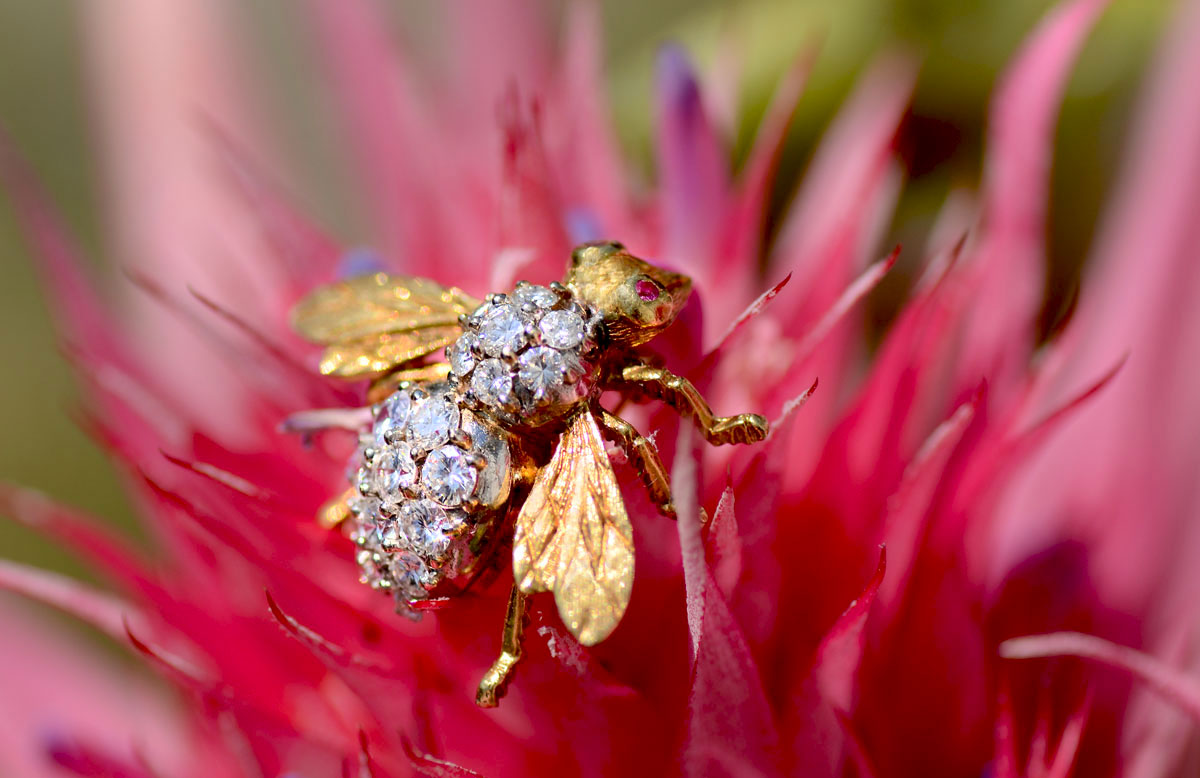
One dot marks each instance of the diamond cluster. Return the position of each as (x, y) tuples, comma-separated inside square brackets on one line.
[(524, 353), (425, 464), (434, 462)]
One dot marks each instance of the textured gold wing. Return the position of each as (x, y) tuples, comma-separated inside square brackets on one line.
[(573, 536), (375, 323)]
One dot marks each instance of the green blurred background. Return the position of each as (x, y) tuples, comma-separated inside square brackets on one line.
[(963, 45)]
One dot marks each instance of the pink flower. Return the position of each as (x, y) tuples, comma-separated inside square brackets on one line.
[(1017, 493)]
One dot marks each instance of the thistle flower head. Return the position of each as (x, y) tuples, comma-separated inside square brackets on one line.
[(1016, 493)]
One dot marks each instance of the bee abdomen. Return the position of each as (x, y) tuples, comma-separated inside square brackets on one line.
[(430, 474)]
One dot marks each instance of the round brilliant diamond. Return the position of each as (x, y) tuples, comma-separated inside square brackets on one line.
[(501, 329), (394, 471), (448, 476), (491, 383), (428, 527), (431, 422), (562, 329), (392, 416), (541, 370), (535, 295), (461, 358)]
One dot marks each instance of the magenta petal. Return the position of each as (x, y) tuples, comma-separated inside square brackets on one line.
[(752, 311), (987, 476), (859, 288), (321, 645), (432, 767), (818, 718), (913, 506), (529, 209), (484, 152), (730, 722), (1065, 751), (1116, 464), (384, 125), (723, 546), (1023, 114), (303, 252), (841, 649)]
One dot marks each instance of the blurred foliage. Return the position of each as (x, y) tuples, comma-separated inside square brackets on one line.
[(962, 44)]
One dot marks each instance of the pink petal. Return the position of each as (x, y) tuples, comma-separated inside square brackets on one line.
[(819, 241), (822, 734), (322, 646), (912, 507), (383, 125), (163, 72), (588, 147), (1008, 261), (303, 250), (59, 690), (104, 612), (430, 766), (925, 639), (515, 36), (753, 310), (749, 209), (693, 173), (83, 535), (1005, 762), (829, 231), (529, 206), (852, 295), (1004, 546), (1120, 473), (684, 488), (1174, 686), (130, 395)]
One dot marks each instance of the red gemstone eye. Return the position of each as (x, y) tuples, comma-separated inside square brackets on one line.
[(647, 290)]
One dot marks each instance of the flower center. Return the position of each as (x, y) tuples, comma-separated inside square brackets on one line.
[(647, 290)]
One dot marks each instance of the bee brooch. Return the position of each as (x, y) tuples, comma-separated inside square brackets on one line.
[(503, 441)]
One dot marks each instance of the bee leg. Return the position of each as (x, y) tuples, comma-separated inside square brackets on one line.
[(491, 688), (644, 455), (680, 394)]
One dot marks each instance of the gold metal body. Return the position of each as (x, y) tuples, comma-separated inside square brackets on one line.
[(571, 533)]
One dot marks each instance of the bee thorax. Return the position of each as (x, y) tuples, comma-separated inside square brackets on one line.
[(525, 357)]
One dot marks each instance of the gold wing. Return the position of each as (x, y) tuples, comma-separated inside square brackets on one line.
[(573, 536), (376, 323)]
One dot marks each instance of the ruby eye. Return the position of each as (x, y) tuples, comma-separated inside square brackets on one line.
[(647, 290)]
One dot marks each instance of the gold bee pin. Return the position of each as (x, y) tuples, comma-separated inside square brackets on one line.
[(503, 441)]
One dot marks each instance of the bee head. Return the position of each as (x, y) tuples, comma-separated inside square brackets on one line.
[(636, 299)]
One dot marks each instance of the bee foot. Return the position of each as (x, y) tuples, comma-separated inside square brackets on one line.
[(743, 428)]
